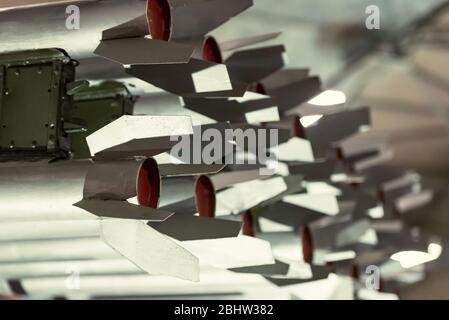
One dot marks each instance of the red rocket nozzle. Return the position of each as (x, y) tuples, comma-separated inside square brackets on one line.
[(307, 244), (159, 19), (205, 197), (148, 184), (211, 51)]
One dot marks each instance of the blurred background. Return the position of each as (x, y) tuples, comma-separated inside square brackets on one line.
[(400, 71), (325, 35)]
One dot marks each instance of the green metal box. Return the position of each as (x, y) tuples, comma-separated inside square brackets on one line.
[(34, 103), (97, 106)]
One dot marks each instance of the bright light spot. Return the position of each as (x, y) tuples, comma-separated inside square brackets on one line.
[(340, 256), (277, 167), (339, 177), (263, 115), (369, 237), (376, 212), (249, 96), (364, 128), (410, 259), (271, 226), (322, 188), (367, 294), (329, 98), (215, 78), (296, 149), (308, 121), (435, 250)]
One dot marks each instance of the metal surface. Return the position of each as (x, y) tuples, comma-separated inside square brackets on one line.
[(97, 106), (33, 100), (45, 26), (334, 201), (133, 136), (107, 242), (197, 78), (51, 190), (208, 15)]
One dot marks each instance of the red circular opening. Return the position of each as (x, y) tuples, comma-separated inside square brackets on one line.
[(205, 197), (381, 195), (148, 184), (260, 88), (159, 19), (298, 129), (355, 272), (339, 153), (248, 224), (307, 244), (211, 51)]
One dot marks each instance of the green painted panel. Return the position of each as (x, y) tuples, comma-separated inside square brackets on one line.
[(34, 103)]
